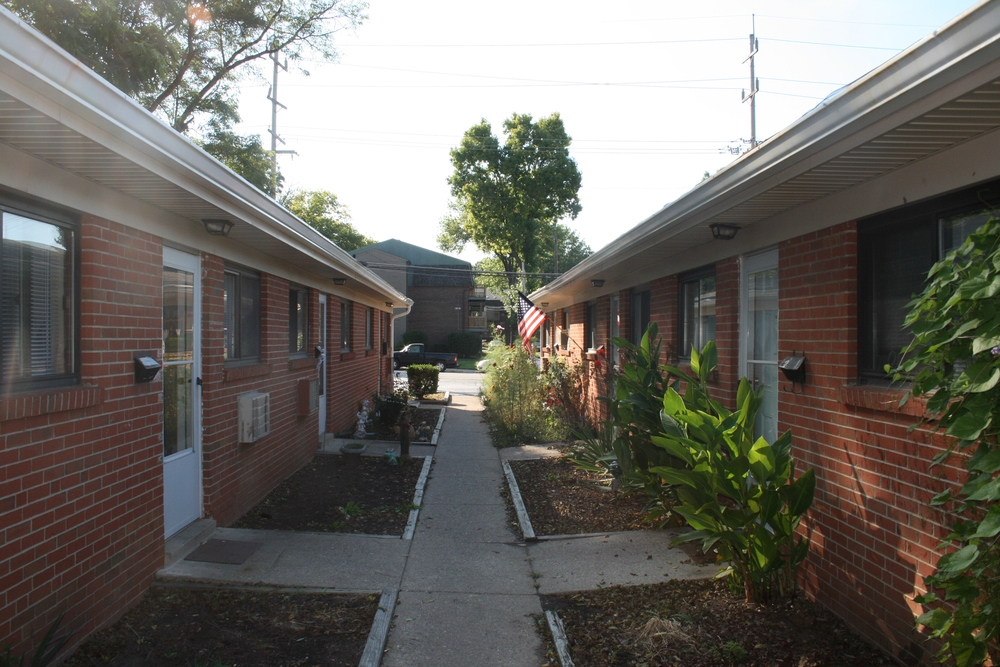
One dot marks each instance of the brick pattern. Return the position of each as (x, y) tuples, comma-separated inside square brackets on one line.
[(873, 533), (81, 504), (357, 374), (438, 311), (81, 495)]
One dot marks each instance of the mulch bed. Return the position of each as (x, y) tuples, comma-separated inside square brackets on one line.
[(422, 420), (177, 626), (564, 500), (700, 624), (340, 494)]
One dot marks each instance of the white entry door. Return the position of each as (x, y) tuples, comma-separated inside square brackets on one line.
[(321, 367), (182, 493), (759, 335)]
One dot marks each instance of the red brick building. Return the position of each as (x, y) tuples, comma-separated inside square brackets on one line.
[(837, 220), (257, 341)]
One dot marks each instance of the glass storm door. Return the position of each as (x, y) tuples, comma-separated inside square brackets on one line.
[(181, 390), (321, 367), (759, 339)]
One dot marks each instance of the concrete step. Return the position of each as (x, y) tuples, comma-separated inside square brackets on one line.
[(187, 540)]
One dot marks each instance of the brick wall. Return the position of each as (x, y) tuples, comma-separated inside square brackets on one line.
[(354, 375), (237, 476), (874, 535), (81, 503), (434, 312)]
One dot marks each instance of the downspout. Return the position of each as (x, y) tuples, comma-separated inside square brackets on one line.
[(397, 312)]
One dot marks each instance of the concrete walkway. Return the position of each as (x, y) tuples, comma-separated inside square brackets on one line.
[(468, 585), (467, 592)]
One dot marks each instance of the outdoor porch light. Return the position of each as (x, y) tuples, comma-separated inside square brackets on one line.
[(545, 304), (217, 227), (388, 304), (724, 232), (339, 281), (597, 282)]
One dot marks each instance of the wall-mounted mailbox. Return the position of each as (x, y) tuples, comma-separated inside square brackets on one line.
[(794, 368), (146, 368)]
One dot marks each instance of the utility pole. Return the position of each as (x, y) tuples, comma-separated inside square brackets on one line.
[(754, 84), (272, 95)]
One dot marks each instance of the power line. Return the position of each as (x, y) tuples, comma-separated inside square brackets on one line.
[(831, 44), (706, 40)]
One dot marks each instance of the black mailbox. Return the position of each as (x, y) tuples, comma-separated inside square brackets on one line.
[(146, 368), (794, 369)]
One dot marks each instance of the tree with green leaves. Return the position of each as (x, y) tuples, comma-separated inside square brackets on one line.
[(509, 196), (182, 59), (324, 212)]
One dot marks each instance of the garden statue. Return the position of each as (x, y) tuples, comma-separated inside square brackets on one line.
[(362, 430)]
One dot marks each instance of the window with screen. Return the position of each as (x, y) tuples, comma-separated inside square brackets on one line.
[(38, 300), (241, 327), (696, 310), (639, 315), (298, 321), (345, 326), (369, 328), (895, 252), (590, 327)]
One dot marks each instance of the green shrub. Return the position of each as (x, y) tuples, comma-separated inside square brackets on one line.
[(954, 360), (423, 379), (414, 336), (388, 407), (465, 343)]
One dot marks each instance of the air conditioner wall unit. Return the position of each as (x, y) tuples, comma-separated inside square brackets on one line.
[(253, 415)]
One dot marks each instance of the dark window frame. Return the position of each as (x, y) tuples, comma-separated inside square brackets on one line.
[(639, 318), (876, 234), (689, 278), (298, 294), (590, 326), (63, 219), (239, 355), (345, 325), (369, 327), (564, 329)]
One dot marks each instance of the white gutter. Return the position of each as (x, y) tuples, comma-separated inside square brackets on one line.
[(64, 89), (968, 44)]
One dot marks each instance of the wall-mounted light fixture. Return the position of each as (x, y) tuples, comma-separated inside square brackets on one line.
[(545, 304), (217, 227), (597, 282), (724, 232), (388, 304), (339, 281)]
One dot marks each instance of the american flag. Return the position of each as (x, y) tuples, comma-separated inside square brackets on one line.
[(529, 318)]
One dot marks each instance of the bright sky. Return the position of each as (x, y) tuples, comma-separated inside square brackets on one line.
[(649, 91)]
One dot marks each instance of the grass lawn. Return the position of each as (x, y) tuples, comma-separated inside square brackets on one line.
[(469, 364)]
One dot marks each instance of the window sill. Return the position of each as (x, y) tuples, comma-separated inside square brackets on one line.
[(35, 404), (882, 399), (299, 363), (249, 371)]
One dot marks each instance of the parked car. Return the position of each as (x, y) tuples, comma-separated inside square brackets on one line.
[(416, 353)]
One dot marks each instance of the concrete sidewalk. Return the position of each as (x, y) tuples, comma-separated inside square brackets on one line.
[(468, 585), (468, 591)]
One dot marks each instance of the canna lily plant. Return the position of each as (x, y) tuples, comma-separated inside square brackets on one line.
[(738, 493)]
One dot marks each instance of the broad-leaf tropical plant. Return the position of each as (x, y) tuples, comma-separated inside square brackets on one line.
[(738, 493)]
